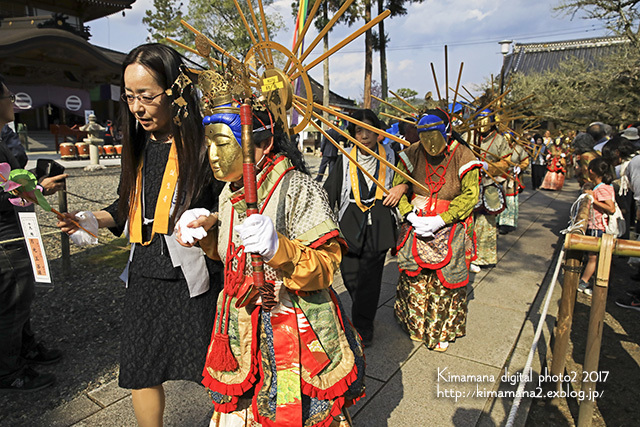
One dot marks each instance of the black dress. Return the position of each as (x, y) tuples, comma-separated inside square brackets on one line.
[(165, 332)]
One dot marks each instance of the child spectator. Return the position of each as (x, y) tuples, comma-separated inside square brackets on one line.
[(603, 201)]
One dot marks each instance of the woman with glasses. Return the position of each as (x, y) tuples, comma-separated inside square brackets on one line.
[(171, 290)]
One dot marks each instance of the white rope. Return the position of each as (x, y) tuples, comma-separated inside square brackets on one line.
[(534, 345)]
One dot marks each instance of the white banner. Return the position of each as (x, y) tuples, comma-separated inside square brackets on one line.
[(32, 237)]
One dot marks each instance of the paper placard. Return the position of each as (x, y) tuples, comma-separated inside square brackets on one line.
[(31, 231)]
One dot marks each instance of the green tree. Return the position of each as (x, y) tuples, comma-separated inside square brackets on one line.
[(578, 93), (621, 16), (220, 21), (163, 21), (381, 39)]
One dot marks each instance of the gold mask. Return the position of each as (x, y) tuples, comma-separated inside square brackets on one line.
[(433, 142), (225, 154), (484, 124)]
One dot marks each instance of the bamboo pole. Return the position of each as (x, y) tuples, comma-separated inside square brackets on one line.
[(310, 19), (435, 80), (446, 76), (360, 145), (594, 334), (403, 100), (391, 105), (325, 30), (455, 93), (348, 156), (572, 272), (343, 43)]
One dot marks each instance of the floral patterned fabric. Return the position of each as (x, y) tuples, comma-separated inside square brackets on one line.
[(428, 311), (486, 239), (509, 216)]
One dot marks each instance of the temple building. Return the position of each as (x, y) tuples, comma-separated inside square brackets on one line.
[(51, 67)]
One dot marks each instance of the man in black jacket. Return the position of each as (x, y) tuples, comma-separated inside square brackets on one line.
[(18, 346)]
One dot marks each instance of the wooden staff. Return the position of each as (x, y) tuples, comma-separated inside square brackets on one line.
[(406, 113), (358, 143), (403, 101), (267, 291), (455, 92), (435, 80)]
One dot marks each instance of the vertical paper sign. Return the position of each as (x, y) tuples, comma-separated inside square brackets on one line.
[(35, 247)]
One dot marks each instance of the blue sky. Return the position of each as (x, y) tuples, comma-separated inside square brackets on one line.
[(470, 28)]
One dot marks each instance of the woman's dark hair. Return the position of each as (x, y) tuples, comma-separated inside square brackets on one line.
[(601, 168), (1, 83), (536, 137), (282, 144), (164, 64), (617, 146), (362, 115)]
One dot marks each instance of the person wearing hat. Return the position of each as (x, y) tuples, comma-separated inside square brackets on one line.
[(631, 135), (435, 246)]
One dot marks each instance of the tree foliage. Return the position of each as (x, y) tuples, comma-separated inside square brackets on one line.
[(621, 16), (163, 20), (578, 93), (220, 21)]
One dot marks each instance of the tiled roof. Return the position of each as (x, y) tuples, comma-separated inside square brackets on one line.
[(530, 58), (335, 100)]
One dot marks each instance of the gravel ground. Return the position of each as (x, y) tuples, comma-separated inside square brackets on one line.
[(80, 314)]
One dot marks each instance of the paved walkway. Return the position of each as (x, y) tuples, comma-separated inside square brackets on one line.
[(408, 385)]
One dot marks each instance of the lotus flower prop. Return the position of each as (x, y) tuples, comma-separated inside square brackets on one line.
[(24, 185)]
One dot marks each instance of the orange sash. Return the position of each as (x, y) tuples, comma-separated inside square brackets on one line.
[(355, 183), (163, 206)]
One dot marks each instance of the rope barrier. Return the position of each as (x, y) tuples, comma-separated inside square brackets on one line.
[(534, 345)]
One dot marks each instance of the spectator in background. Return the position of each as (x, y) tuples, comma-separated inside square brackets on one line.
[(367, 219), (109, 133), (12, 141), (329, 152), (631, 135), (603, 201), (583, 150), (538, 161), (598, 132), (618, 152), (19, 348)]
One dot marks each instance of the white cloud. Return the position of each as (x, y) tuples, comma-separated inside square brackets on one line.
[(470, 28)]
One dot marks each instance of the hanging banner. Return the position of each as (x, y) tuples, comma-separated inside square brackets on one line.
[(32, 237)]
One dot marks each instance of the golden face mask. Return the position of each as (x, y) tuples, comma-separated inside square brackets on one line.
[(433, 142), (484, 124), (225, 154)]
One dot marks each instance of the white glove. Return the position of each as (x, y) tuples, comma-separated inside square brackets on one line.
[(191, 235), (82, 238), (485, 165), (516, 170), (258, 236), (425, 226), (563, 155)]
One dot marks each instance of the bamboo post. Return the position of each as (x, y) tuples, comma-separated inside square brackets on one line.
[(64, 237), (594, 334), (572, 271)]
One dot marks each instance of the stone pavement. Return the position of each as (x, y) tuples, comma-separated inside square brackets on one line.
[(408, 385)]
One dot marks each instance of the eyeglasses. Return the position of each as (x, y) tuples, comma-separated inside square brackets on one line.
[(143, 99), (12, 97)]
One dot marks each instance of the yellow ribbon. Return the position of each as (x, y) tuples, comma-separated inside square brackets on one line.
[(163, 205), (355, 182)]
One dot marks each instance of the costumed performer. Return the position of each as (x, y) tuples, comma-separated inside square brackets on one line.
[(169, 304), (368, 219), (494, 152), (300, 362), (435, 247), (556, 166), (507, 220)]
